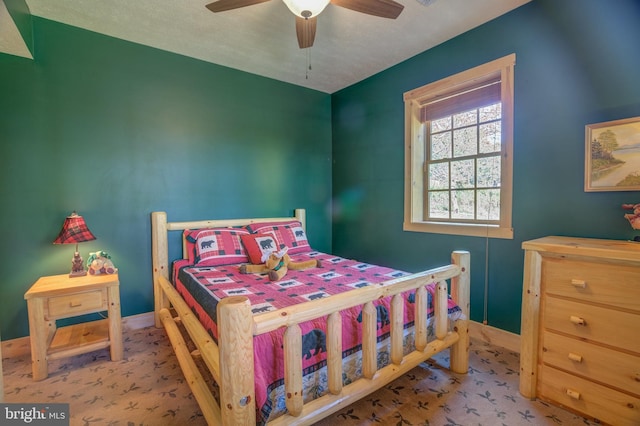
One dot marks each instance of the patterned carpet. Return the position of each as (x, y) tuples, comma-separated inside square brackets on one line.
[(147, 388)]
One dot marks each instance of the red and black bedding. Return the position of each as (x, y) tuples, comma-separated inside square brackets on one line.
[(212, 272)]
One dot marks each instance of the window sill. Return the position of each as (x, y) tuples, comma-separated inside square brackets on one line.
[(488, 231)]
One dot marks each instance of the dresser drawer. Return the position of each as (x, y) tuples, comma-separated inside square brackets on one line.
[(600, 402), (617, 369), (595, 323), (77, 304), (604, 283)]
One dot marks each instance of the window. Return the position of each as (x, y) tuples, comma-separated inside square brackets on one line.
[(458, 153)]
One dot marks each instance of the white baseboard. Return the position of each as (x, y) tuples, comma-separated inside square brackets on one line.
[(495, 336), (136, 322), (22, 345)]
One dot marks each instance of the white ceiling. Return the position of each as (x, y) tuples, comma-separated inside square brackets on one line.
[(10, 39), (260, 39)]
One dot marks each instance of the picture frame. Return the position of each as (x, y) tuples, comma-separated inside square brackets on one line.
[(612, 156)]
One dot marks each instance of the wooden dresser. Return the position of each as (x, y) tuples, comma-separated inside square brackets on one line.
[(580, 336)]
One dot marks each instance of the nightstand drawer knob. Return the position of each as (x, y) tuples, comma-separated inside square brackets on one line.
[(573, 394), (75, 303), (577, 283), (577, 320), (575, 357), (637, 377)]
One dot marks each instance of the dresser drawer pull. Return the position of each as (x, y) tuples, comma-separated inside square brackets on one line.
[(578, 283), (573, 394), (577, 320), (75, 304), (636, 377), (575, 357)]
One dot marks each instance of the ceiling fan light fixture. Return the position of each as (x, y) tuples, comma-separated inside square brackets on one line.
[(306, 8)]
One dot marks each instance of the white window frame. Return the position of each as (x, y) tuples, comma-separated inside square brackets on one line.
[(415, 151)]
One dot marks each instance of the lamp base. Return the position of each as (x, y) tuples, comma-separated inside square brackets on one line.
[(77, 266)]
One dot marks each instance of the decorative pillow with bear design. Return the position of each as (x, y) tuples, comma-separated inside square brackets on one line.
[(216, 246), (290, 233), (256, 245)]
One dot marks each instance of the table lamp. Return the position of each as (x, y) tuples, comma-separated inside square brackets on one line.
[(74, 230)]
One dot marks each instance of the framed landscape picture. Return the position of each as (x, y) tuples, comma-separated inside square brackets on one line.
[(612, 156)]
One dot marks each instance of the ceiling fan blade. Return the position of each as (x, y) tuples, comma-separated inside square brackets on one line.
[(383, 8), (222, 5), (306, 31)]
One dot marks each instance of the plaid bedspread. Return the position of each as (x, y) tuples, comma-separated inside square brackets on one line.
[(203, 287)]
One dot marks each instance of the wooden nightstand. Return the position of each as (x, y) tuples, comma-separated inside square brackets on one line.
[(59, 296)]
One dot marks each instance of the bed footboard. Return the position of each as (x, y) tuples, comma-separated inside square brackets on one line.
[(460, 292), (340, 396), (231, 362)]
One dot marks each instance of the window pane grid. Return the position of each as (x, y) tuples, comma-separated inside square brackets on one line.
[(463, 166)]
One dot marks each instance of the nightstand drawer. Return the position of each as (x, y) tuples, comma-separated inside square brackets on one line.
[(608, 284), (618, 369), (594, 323), (76, 304), (605, 404)]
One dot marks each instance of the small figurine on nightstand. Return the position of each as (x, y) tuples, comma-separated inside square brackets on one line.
[(633, 218), (100, 262), (77, 268)]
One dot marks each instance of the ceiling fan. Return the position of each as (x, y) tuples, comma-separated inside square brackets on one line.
[(307, 11)]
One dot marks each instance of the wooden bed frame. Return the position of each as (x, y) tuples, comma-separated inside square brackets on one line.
[(230, 361)]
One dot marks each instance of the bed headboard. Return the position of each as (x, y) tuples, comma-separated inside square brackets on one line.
[(299, 214), (160, 228)]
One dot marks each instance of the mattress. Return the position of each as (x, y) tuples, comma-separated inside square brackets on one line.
[(203, 287)]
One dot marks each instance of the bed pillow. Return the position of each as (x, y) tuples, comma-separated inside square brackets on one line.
[(216, 246), (189, 237), (255, 245), (291, 234)]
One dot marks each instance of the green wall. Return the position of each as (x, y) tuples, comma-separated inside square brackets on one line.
[(116, 130), (577, 63)]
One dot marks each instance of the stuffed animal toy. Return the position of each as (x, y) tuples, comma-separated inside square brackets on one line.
[(277, 263), (634, 219), (100, 263)]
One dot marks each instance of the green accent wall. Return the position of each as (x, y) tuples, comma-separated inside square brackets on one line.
[(116, 130), (577, 63)]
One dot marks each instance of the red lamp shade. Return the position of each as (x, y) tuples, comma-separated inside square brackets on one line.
[(74, 230)]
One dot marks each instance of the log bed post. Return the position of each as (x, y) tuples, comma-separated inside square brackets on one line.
[(422, 303), (369, 350), (160, 262), (440, 308), (397, 329), (293, 369), (301, 216), (334, 351), (460, 292), (237, 392)]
